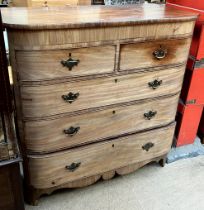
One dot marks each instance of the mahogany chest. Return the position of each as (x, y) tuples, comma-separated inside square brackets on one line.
[(96, 89)]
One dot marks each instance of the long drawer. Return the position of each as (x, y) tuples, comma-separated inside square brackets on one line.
[(59, 168), (45, 136), (45, 100), (155, 53), (54, 64)]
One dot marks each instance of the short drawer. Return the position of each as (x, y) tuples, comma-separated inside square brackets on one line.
[(45, 136), (45, 100), (59, 168), (55, 64), (51, 3), (152, 54)]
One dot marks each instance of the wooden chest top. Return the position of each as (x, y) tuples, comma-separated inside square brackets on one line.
[(91, 16)]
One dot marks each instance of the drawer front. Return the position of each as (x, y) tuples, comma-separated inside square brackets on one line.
[(41, 3), (45, 136), (53, 64), (57, 168), (42, 101), (152, 54)]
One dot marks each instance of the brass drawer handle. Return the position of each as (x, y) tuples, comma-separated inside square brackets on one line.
[(149, 115), (155, 84), (70, 97), (72, 131), (160, 53), (147, 146), (70, 63), (73, 166)]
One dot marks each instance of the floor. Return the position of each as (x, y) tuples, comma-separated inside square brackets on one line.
[(177, 186)]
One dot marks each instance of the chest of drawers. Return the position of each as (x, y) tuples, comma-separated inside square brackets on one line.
[(96, 89)]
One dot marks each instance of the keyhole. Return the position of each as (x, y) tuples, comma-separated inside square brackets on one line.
[(113, 145), (70, 55), (116, 80), (45, 3)]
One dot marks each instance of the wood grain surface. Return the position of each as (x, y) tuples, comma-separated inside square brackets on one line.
[(21, 3), (140, 55), (115, 46), (49, 170), (34, 194), (48, 3), (83, 37), (51, 3), (45, 136), (43, 101), (45, 65), (92, 16)]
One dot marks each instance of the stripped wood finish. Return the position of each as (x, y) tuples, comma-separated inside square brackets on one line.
[(141, 55), (44, 65), (98, 125), (33, 194), (50, 170), (48, 3), (44, 39), (45, 100), (116, 103)]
